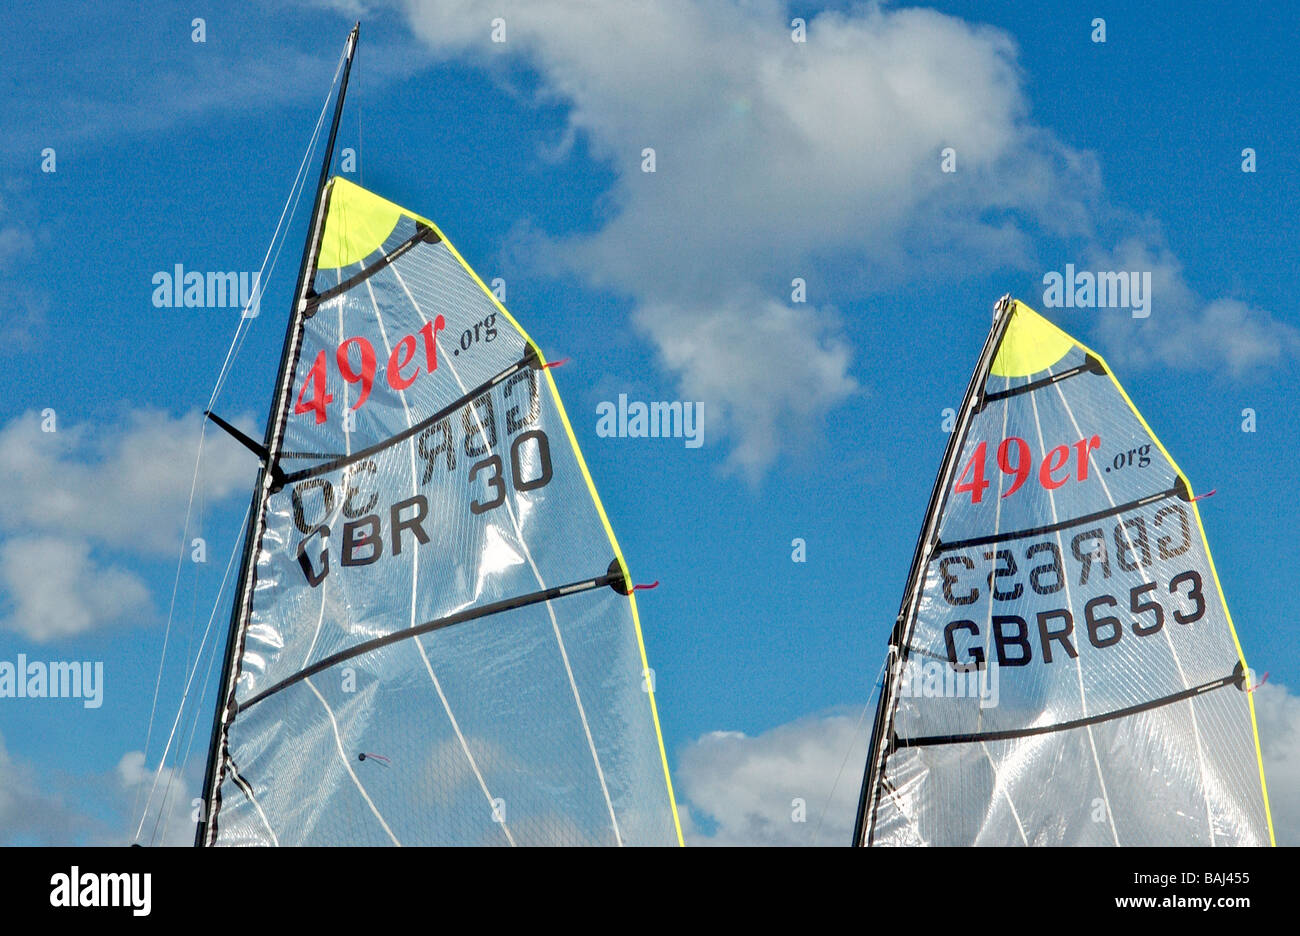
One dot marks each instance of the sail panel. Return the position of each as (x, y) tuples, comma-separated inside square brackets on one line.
[(441, 648), (1070, 673)]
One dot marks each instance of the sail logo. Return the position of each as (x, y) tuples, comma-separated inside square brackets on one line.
[(56, 680), (657, 420), (76, 889), (182, 289), (936, 679), (1100, 290)]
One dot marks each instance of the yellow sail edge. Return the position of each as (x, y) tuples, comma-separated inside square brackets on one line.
[(1023, 356)]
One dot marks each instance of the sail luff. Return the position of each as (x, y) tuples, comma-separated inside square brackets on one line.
[(215, 768), (882, 727)]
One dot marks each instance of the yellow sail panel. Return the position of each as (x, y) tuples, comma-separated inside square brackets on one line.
[(1030, 345)]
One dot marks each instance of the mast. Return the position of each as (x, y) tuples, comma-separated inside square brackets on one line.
[(268, 474), (882, 728)]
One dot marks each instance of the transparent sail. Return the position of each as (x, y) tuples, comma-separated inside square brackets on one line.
[(441, 647), (1067, 672)]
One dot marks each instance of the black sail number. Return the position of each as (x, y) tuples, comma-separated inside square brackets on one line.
[(541, 448), (949, 580), (494, 483), (1006, 568), (1193, 579), (1141, 607)]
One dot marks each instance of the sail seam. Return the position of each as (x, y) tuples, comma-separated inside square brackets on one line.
[(347, 765), (609, 533), (415, 574), (338, 740), (528, 554), (1011, 734), (1146, 580), (988, 632), (1078, 662)]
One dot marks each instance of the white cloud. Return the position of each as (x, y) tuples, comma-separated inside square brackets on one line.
[(1278, 714), (775, 158), (725, 353), (123, 484), (741, 790), (165, 795), (81, 499), (29, 816), (55, 589), (24, 301), (772, 156), (49, 808), (14, 242), (156, 77), (1185, 330)]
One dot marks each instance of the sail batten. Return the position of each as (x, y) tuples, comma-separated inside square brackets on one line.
[(1064, 669), (1230, 680)]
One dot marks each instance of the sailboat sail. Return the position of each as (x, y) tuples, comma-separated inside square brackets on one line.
[(1064, 669), (441, 646), (434, 639)]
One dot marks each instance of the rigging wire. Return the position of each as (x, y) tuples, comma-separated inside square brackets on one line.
[(299, 185), (243, 326), (848, 752), (162, 763)]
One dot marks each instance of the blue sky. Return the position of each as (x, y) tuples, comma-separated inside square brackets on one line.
[(822, 419)]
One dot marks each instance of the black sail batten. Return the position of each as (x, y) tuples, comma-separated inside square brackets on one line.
[(530, 359), (469, 614), (422, 234), (1090, 366), (974, 737), (942, 547), (205, 833), (899, 640)]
